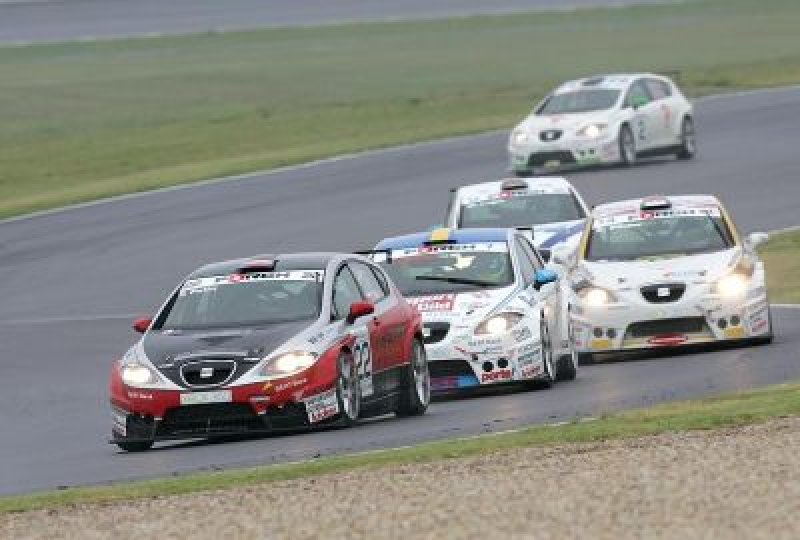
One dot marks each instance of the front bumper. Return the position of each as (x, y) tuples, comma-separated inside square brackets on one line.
[(468, 362), (692, 321), (563, 153)]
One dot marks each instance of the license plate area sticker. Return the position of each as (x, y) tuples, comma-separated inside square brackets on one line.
[(322, 406), (201, 398)]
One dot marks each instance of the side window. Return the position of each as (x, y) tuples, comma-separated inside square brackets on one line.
[(365, 277), (345, 292), (532, 254), (638, 94), (525, 264), (658, 89)]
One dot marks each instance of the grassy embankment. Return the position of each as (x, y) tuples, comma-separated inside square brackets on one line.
[(730, 410), (82, 121), (782, 259)]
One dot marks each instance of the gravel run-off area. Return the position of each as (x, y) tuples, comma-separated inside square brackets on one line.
[(730, 483)]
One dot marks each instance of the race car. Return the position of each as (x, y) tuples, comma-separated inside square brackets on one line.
[(550, 206), (604, 119), (666, 272), (492, 313), (270, 342)]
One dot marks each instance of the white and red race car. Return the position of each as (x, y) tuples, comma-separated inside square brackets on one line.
[(666, 272), (604, 119), (270, 342), (492, 313)]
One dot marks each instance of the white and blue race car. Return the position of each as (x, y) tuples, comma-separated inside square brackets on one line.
[(550, 206), (491, 311)]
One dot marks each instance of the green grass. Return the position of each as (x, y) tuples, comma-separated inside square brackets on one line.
[(82, 121), (729, 410), (782, 261)]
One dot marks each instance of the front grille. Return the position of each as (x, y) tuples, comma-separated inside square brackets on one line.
[(449, 368), (541, 158), (684, 325), (209, 418), (435, 331), (207, 373), (550, 135), (656, 293)]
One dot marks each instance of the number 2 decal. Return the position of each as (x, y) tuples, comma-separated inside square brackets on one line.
[(363, 357)]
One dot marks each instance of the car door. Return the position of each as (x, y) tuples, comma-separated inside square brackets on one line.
[(387, 328), (644, 113), (668, 123), (345, 292)]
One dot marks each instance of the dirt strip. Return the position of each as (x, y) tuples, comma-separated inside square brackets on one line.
[(733, 483)]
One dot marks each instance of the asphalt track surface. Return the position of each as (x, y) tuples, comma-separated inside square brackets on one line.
[(63, 20), (70, 282)]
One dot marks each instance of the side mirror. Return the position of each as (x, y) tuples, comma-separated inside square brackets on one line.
[(543, 277), (757, 238), (142, 324), (359, 309), (639, 101)]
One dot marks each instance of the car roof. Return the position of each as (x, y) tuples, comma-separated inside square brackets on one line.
[(554, 184), (453, 236), (634, 205), (278, 263), (615, 81)]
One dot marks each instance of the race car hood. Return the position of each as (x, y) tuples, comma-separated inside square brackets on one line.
[(460, 307), (704, 267), (550, 235), (167, 349), (566, 122)]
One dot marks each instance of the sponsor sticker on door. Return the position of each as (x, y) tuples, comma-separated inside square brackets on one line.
[(322, 406)]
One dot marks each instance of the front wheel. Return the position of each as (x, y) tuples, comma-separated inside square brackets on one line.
[(567, 366), (416, 393), (627, 146), (688, 146), (135, 446), (348, 390)]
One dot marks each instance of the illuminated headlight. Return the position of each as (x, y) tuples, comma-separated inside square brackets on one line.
[(137, 375), (289, 363), (732, 286), (520, 137), (592, 130), (498, 324), (596, 296)]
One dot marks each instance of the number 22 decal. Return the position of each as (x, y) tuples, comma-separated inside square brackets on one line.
[(363, 357)]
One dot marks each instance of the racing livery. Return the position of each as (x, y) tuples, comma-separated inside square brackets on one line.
[(270, 342), (665, 272), (604, 119), (492, 313), (550, 206)]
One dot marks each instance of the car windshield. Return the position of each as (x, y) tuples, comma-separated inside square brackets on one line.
[(250, 299), (579, 101), (450, 268), (517, 210), (658, 234)]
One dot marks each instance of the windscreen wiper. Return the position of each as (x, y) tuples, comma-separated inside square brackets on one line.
[(463, 281)]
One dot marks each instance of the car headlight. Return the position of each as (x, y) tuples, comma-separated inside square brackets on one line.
[(520, 137), (596, 296), (289, 363), (732, 286), (592, 130), (498, 324), (135, 374)]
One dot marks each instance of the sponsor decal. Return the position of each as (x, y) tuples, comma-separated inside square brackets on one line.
[(528, 372), (759, 325), (735, 332), (668, 340), (624, 217), (140, 395), (285, 385), (521, 334), (436, 302), (496, 376), (201, 398), (322, 406), (601, 343), (196, 285), (485, 342), (527, 359)]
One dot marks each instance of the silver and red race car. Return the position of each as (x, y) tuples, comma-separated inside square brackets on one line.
[(276, 341)]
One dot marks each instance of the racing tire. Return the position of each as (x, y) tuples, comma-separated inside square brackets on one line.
[(688, 146), (348, 390), (627, 146), (567, 364), (416, 393), (135, 446), (548, 378)]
